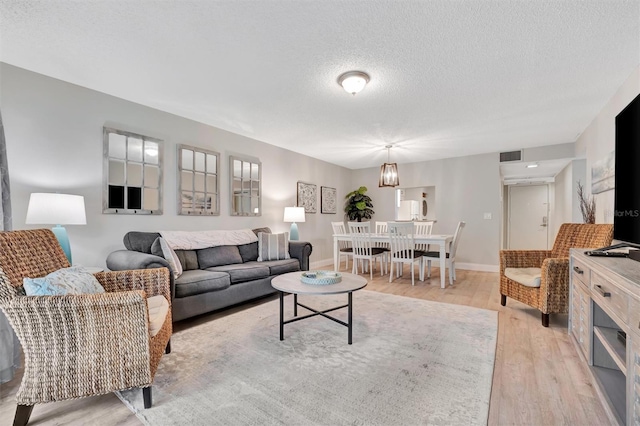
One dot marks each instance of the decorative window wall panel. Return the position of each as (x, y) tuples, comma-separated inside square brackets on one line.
[(198, 181), (132, 173), (246, 190)]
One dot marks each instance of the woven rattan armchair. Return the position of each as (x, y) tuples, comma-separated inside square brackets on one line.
[(552, 296), (79, 345)]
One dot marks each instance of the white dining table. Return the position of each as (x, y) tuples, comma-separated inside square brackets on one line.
[(441, 240)]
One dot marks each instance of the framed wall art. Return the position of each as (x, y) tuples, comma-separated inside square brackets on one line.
[(307, 197), (603, 173), (328, 200)]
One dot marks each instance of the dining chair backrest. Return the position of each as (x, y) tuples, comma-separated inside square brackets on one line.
[(456, 240), (361, 238), (423, 228), (401, 239), (339, 228), (381, 227)]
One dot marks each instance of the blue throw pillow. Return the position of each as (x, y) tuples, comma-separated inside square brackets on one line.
[(73, 280)]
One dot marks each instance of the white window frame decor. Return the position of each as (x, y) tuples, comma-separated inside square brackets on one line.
[(198, 181), (132, 173), (245, 186)]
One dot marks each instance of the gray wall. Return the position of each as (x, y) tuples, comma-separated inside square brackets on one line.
[(466, 188), (54, 144)]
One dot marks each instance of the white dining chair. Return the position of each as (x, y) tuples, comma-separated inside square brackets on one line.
[(423, 228), (451, 255), (381, 228), (363, 248), (403, 249), (344, 247)]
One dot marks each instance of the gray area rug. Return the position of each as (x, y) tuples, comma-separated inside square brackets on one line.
[(412, 362)]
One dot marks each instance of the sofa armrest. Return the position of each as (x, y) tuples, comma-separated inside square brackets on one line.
[(125, 260), (300, 250)]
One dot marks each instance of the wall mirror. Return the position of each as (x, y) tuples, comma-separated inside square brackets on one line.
[(198, 180), (245, 178), (132, 173)]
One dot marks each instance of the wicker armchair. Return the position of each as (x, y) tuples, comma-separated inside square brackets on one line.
[(552, 296), (79, 345)]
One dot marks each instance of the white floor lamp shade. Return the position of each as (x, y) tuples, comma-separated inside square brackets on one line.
[(293, 215), (57, 209)]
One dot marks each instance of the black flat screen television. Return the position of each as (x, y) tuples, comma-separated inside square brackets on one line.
[(626, 219)]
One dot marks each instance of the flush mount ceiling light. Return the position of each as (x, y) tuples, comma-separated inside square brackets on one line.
[(389, 171), (532, 166), (353, 81)]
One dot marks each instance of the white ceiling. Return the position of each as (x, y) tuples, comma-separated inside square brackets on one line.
[(448, 78)]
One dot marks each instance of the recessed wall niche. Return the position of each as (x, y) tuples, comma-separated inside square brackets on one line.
[(199, 181), (132, 173)]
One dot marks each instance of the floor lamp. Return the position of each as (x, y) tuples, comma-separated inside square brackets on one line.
[(58, 209), (293, 215)]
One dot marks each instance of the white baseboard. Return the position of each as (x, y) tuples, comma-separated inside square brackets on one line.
[(477, 267), (322, 264), (328, 264)]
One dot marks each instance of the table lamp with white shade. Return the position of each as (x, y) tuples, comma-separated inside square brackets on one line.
[(58, 209), (293, 215)]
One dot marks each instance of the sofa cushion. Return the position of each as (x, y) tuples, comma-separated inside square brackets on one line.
[(188, 259), (273, 246), (197, 282), (266, 230), (140, 241), (529, 277), (277, 267), (249, 252), (217, 256), (158, 308), (244, 272), (156, 248)]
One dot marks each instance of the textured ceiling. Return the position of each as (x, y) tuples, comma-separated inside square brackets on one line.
[(448, 78)]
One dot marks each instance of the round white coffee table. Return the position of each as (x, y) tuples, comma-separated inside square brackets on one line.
[(290, 283)]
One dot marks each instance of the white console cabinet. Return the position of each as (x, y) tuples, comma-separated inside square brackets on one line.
[(605, 301)]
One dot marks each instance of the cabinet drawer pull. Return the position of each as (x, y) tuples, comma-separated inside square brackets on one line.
[(578, 270), (602, 291)]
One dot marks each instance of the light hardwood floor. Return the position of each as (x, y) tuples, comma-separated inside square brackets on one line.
[(538, 377)]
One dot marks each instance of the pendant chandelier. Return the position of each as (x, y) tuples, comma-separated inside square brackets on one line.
[(389, 171)]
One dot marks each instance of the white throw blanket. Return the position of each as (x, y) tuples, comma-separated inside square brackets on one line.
[(192, 240)]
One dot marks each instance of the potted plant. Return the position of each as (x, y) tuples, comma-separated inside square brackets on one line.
[(358, 205)]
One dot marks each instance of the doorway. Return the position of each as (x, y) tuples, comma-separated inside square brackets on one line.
[(528, 217)]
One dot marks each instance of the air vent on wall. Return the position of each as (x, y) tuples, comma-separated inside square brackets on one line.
[(511, 156)]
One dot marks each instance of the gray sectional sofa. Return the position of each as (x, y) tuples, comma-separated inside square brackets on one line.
[(212, 278)]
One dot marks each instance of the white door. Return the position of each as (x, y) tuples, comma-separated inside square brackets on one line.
[(528, 217)]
